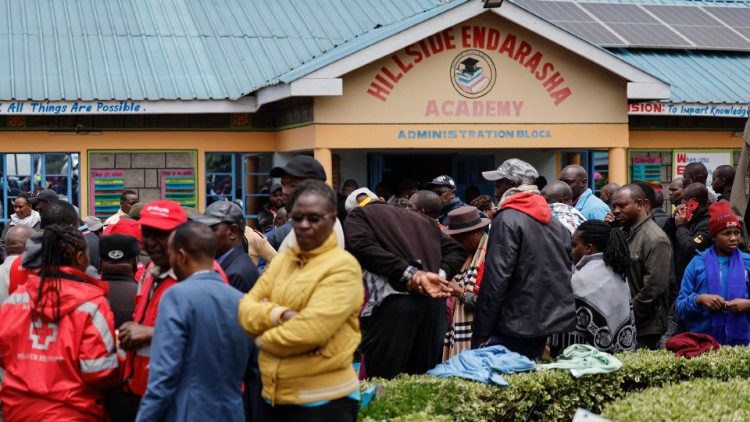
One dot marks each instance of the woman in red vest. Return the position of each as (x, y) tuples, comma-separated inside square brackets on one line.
[(57, 338)]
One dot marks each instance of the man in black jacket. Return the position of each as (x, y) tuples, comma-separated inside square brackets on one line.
[(406, 260), (689, 233), (526, 293), (228, 223), (650, 258), (119, 255)]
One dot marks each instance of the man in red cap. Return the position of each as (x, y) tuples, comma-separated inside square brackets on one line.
[(158, 220), (130, 227)]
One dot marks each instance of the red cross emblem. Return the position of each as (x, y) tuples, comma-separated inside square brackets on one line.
[(42, 334)]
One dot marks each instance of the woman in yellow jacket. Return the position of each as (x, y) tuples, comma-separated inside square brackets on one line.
[(303, 313)]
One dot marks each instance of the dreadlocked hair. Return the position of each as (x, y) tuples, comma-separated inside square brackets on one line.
[(611, 241), (60, 243)]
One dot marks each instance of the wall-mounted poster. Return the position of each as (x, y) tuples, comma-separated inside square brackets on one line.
[(711, 158), (106, 187), (646, 168), (179, 185)]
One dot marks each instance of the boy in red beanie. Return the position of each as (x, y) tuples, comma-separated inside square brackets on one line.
[(714, 297)]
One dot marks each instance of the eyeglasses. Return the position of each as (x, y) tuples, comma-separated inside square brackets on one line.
[(312, 218)]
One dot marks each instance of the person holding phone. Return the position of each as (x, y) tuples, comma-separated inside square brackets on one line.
[(688, 227)]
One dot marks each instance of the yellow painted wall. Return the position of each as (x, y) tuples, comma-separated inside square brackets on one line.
[(664, 139), (374, 136), (422, 89)]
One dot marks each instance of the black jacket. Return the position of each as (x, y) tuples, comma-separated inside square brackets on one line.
[(121, 296), (387, 239), (526, 290), (240, 269), (688, 239), (649, 276)]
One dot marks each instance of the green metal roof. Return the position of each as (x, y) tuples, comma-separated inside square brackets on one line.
[(181, 49), (227, 49), (695, 76)]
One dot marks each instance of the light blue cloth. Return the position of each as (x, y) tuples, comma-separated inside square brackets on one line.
[(591, 207), (483, 365)]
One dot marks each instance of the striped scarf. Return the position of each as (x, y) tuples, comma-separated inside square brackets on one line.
[(458, 337)]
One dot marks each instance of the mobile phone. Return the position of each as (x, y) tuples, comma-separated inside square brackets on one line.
[(689, 209)]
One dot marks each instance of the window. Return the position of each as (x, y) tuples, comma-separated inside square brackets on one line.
[(34, 172), (241, 178)]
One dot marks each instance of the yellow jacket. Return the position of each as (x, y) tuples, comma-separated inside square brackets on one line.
[(309, 357)]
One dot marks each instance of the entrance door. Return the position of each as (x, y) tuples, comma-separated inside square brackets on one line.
[(467, 171)]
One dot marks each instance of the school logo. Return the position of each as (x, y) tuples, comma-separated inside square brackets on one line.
[(473, 74)]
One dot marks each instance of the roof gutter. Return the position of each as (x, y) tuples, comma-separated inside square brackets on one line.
[(305, 87)]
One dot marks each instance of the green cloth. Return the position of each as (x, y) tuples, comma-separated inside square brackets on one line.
[(582, 359)]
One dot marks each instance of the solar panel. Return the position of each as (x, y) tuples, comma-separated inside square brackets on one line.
[(649, 25), (713, 37), (744, 31), (557, 11), (699, 27), (646, 35), (593, 32), (733, 16), (683, 15), (570, 17), (619, 13)]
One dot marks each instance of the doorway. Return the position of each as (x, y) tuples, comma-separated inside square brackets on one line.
[(466, 170)]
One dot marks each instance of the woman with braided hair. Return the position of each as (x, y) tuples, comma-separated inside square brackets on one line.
[(603, 309), (57, 338)]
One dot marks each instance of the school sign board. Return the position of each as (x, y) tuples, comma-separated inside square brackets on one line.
[(709, 158)]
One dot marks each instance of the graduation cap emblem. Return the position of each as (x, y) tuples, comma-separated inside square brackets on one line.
[(473, 73)]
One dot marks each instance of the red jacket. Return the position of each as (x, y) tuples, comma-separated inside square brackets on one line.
[(135, 368), (57, 371)]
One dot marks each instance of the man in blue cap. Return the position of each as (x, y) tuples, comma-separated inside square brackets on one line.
[(445, 187)]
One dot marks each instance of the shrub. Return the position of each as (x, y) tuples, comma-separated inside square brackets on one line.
[(550, 395), (699, 400)]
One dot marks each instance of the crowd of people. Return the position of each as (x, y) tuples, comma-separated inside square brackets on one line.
[(163, 313)]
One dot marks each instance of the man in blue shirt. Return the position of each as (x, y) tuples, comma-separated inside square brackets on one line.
[(199, 352), (589, 205)]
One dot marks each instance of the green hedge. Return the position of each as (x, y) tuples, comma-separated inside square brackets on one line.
[(699, 400), (545, 396)]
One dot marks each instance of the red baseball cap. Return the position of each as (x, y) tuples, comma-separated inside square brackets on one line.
[(162, 215), (126, 226)]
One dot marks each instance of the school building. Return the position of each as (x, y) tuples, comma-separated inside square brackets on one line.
[(199, 101)]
